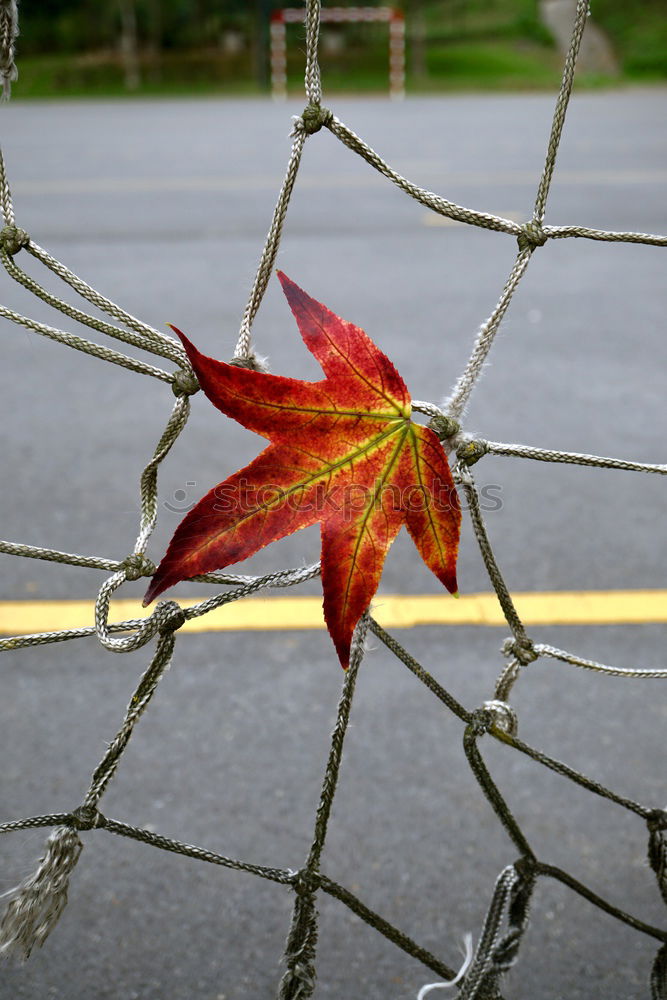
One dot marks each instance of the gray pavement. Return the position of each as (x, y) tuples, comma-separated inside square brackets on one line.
[(163, 206)]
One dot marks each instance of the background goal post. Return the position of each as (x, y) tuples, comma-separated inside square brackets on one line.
[(339, 15)]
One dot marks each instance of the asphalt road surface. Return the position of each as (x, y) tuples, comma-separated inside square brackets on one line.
[(163, 206)]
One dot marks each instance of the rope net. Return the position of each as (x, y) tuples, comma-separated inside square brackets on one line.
[(35, 905)]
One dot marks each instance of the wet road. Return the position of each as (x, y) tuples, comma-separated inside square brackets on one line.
[(163, 206)]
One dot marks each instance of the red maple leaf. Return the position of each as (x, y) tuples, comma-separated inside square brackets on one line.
[(343, 451)]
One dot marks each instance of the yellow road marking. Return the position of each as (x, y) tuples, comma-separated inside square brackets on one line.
[(588, 607)]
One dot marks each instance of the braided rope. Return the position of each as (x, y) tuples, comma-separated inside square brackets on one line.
[(155, 341), (9, 29), (86, 346), (15, 272), (570, 457)]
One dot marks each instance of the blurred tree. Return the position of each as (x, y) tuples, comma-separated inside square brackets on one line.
[(261, 40), (65, 25), (129, 47), (189, 40), (154, 39), (415, 26)]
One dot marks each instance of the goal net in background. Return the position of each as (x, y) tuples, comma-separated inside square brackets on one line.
[(36, 904), (391, 16)]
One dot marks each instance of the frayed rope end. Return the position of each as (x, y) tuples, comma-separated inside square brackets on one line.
[(38, 902)]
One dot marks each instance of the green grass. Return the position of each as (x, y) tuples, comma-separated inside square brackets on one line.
[(493, 66), (470, 45), (452, 66), (101, 75), (457, 66), (639, 35)]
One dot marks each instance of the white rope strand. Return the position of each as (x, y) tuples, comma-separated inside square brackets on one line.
[(467, 944), (92, 322), (6, 205), (243, 348), (312, 79), (456, 404), (427, 198), (53, 555), (161, 343), (603, 668), (9, 29), (86, 346), (561, 109), (570, 457), (603, 235)]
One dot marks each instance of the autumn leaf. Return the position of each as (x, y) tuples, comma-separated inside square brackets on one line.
[(343, 452)]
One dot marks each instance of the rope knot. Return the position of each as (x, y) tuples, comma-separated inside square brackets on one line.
[(444, 426), (504, 716), (306, 882), (13, 239), (171, 617), (313, 118), (471, 451), (87, 817), (657, 848), (184, 382), (252, 362), (532, 235), (481, 720), (522, 650), (137, 565), (526, 868), (659, 974), (657, 820)]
